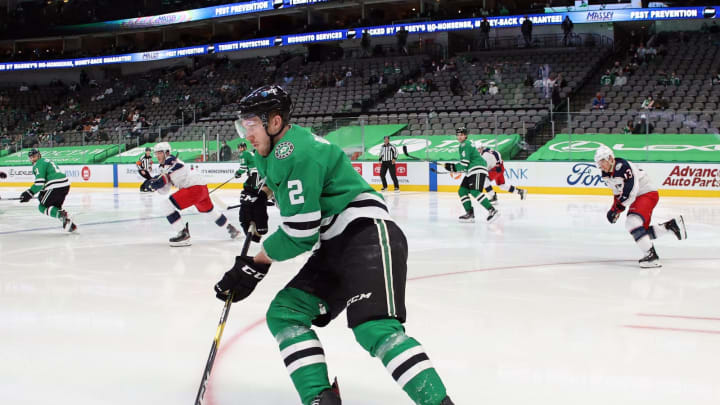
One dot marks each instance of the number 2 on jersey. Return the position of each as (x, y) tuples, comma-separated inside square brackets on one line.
[(295, 191)]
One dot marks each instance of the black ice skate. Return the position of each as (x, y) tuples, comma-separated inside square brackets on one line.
[(651, 260), (468, 217), (234, 233), (493, 214), (330, 396), (447, 401), (493, 199), (182, 238), (676, 226), (67, 223), (523, 193)]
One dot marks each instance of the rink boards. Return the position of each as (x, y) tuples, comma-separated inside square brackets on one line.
[(674, 179)]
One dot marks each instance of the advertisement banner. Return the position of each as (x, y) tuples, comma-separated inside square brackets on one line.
[(653, 147), (688, 179), (568, 178), (585, 15), (79, 175), (106, 60), (179, 17), (353, 137), (412, 176), (211, 173), (578, 17), (64, 155), (187, 151), (442, 147)]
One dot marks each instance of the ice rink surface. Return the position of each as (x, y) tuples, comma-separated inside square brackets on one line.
[(545, 306)]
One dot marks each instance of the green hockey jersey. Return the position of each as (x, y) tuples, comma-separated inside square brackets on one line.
[(47, 176), (317, 190), (470, 159), (247, 163)]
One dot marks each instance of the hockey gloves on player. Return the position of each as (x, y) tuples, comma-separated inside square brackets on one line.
[(26, 196), (241, 279), (615, 212), (157, 182), (450, 167), (3, 175), (238, 174)]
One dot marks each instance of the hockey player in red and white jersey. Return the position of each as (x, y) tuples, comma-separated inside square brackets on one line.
[(496, 173), (632, 188), (192, 192)]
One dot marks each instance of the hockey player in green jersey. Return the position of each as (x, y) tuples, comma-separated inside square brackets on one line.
[(475, 168), (253, 199), (359, 264), (247, 164), (53, 186)]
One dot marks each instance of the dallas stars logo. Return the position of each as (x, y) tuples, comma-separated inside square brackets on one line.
[(283, 150)]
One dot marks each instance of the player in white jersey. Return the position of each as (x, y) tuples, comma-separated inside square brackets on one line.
[(496, 173), (192, 192), (632, 187)]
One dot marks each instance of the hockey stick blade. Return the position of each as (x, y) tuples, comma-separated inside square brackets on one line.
[(405, 152), (219, 331), (438, 171)]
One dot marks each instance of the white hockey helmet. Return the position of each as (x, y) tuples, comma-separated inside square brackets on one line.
[(602, 153), (162, 147)]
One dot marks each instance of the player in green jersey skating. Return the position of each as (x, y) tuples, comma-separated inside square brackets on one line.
[(53, 186), (475, 168), (360, 263), (253, 199)]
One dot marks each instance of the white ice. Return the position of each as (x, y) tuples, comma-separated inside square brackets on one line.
[(545, 306)]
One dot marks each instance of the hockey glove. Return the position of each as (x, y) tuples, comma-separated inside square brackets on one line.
[(3, 175), (157, 182), (450, 167), (615, 212), (26, 196), (241, 279), (238, 174)]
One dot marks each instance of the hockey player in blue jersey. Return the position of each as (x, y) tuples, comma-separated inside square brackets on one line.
[(632, 189)]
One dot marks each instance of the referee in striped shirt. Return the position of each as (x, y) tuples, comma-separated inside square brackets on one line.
[(144, 166), (388, 156)]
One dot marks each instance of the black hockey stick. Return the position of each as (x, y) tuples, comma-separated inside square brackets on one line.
[(14, 199), (219, 332), (228, 181), (405, 152)]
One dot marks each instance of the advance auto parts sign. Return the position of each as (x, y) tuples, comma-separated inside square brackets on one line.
[(693, 176), (655, 147)]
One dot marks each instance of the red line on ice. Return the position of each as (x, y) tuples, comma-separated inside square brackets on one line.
[(699, 318), (714, 332), (249, 328)]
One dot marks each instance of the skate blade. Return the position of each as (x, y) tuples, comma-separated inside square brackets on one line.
[(181, 243), (494, 218), (681, 225), (467, 221), (650, 265)]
